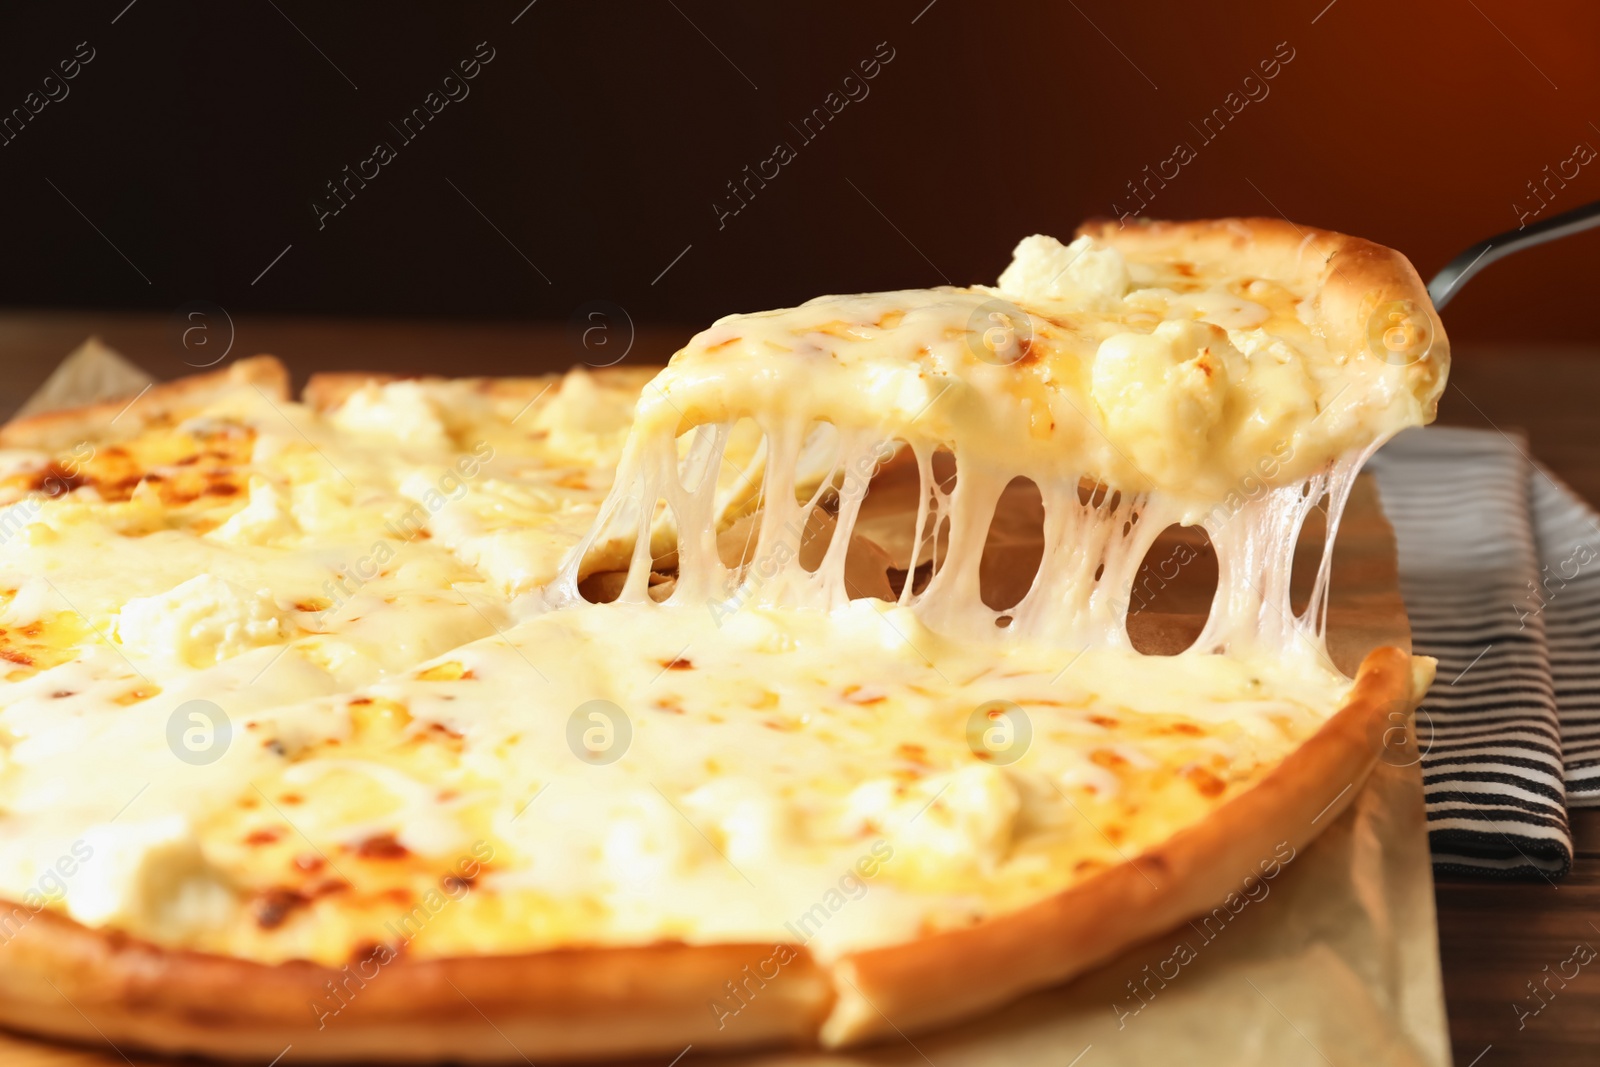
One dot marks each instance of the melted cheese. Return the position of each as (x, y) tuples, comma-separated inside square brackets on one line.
[(759, 739), (255, 556), (754, 776), (1203, 401)]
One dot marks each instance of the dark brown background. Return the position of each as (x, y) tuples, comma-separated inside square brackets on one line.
[(599, 137)]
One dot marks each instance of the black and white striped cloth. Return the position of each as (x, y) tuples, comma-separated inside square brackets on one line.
[(1500, 569), (1569, 546)]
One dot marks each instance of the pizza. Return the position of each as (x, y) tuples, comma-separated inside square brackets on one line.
[(721, 704)]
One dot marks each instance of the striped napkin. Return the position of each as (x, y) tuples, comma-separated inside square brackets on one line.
[(1500, 569)]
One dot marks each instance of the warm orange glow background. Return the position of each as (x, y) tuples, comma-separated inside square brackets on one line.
[(1420, 124)]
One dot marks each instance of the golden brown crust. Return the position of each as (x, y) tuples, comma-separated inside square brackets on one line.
[(64, 980), (1356, 285), (166, 402)]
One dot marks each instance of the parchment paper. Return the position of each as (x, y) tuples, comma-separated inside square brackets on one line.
[(93, 372), (1334, 959)]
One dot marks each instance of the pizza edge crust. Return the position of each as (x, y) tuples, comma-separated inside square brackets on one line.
[(61, 979), (162, 402)]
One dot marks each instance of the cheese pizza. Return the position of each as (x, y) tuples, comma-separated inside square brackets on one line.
[(632, 709)]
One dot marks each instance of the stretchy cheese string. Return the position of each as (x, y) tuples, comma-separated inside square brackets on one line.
[(1080, 597), (1176, 398)]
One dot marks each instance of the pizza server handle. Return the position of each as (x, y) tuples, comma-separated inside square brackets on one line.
[(1458, 270)]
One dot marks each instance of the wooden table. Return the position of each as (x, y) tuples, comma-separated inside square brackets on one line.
[(1494, 937)]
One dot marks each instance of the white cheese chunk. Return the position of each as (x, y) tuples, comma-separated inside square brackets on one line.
[(401, 411), (203, 621), (148, 876), (961, 818), (1161, 393), (266, 519), (1044, 269)]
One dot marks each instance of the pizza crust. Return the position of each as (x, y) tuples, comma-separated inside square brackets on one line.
[(64, 980), (166, 402)]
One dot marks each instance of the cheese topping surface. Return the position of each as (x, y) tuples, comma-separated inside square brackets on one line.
[(291, 684)]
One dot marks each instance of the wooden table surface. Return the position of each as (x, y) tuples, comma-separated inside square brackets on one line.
[(1495, 938)]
